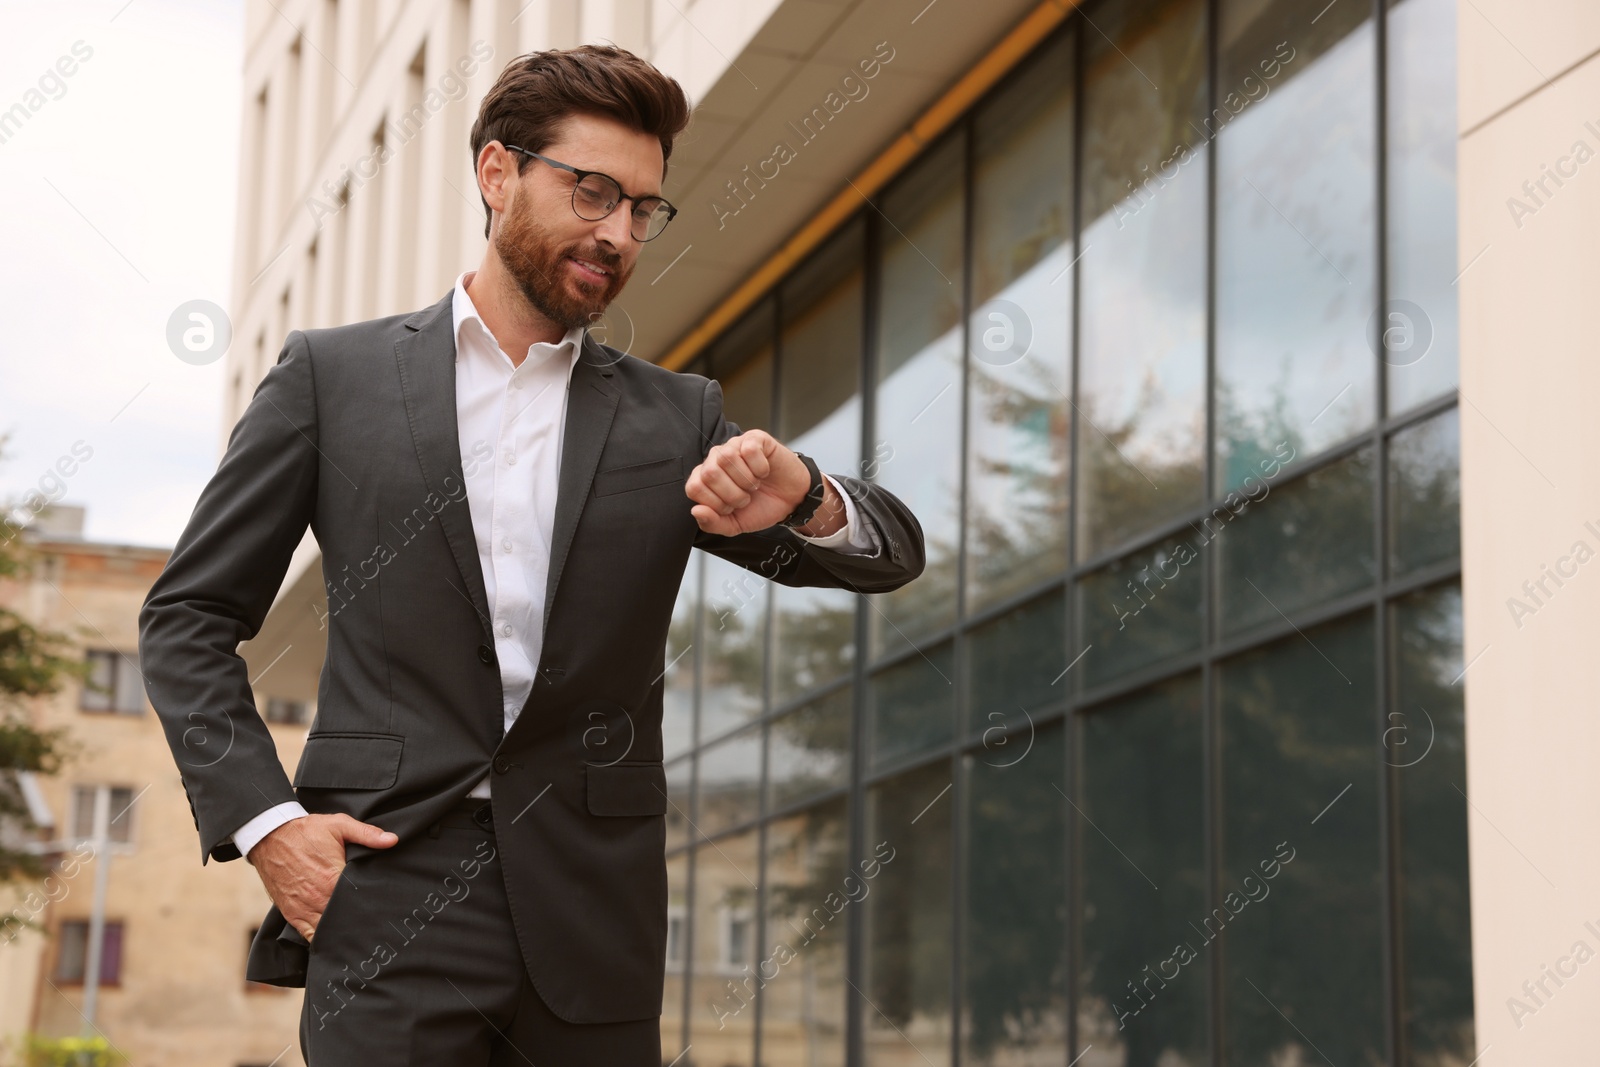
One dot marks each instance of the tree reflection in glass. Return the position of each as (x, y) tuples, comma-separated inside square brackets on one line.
[(906, 1013), (1295, 229), (1300, 766), (1142, 868), (1141, 430), (1018, 337), (802, 970), (918, 398), (819, 413)]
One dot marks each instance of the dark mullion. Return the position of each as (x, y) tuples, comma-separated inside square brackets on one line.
[(958, 706), (855, 926), (1388, 782), (1072, 734), (1210, 592)]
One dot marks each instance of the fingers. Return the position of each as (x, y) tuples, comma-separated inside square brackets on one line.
[(731, 472), (363, 833)]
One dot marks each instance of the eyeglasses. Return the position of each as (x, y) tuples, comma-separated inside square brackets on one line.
[(597, 195)]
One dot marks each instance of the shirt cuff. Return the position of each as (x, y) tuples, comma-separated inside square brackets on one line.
[(248, 835), (857, 538)]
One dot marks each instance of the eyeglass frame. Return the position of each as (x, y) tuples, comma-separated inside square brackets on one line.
[(672, 212)]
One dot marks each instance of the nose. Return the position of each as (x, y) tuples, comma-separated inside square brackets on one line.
[(616, 229)]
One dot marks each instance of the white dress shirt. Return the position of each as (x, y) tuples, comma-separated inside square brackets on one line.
[(511, 420)]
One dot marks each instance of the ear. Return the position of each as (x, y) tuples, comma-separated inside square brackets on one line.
[(497, 171)]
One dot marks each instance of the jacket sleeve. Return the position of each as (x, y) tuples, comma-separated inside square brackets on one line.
[(215, 592), (778, 554)]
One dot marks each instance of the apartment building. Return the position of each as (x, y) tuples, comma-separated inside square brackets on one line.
[(115, 827)]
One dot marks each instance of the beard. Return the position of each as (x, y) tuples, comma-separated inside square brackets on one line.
[(538, 265)]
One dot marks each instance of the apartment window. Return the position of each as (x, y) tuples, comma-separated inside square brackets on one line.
[(119, 813), (738, 933), (114, 683), (286, 712), (72, 952)]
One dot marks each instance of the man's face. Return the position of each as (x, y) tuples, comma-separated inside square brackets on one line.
[(540, 237)]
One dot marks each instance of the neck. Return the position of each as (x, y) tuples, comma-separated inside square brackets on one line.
[(515, 323)]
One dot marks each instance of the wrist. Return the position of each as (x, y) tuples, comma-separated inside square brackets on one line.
[(829, 517)]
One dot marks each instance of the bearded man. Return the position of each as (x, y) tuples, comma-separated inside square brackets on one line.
[(468, 867)]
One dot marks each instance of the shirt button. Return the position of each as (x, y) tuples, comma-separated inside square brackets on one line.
[(505, 630), (485, 654), (506, 544), (516, 383), (511, 458)]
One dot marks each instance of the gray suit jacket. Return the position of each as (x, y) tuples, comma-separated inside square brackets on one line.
[(353, 432)]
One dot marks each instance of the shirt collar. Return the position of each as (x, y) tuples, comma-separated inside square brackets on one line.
[(464, 311)]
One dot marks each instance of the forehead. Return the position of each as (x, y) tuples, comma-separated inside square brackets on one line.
[(596, 142)]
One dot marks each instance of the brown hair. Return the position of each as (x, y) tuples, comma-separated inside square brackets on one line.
[(531, 100)]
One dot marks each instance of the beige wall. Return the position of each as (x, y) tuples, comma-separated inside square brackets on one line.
[(1530, 380)]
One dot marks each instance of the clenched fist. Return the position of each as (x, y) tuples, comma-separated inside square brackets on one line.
[(752, 482)]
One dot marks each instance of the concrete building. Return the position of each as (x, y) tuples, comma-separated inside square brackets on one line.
[(172, 989), (1231, 353)]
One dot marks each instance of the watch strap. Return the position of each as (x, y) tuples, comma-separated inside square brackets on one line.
[(811, 501)]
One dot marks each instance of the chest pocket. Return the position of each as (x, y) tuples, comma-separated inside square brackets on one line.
[(639, 476)]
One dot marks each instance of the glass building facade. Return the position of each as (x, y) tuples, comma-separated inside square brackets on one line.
[(1161, 761)]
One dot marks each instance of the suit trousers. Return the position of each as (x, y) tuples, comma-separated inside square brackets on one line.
[(415, 963)]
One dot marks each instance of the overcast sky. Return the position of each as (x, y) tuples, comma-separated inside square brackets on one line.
[(119, 193)]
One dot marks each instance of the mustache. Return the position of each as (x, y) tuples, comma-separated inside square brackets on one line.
[(609, 260)]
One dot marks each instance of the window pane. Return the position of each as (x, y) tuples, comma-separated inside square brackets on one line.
[(1422, 198), (120, 814), (1425, 493), (808, 892), (1141, 430), (672, 991), (911, 706), (1022, 245), (918, 397), (1295, 229), (679, 776), (1297, 545), (1140, 610), (732, 630), (677, 697), (1013, 987), (111, 954), (1300, 820), (809, 749), (820, 414), (730, 782), (83, 811), (130, 685), (722, 1015), (1143, 879), (1015, 665), (98, 687), (906, 1016), (1425, 737), (72, 953)]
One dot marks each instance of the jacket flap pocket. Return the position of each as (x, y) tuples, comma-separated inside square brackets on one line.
[(350, 761), (638, 476), (626, 789)]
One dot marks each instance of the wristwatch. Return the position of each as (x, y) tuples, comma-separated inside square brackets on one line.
[(811, 501)]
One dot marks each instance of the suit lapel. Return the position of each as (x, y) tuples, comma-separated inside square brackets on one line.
[(591, 405), (427, 361)]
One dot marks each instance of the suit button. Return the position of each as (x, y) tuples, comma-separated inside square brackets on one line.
[(501, 765), (485, 655)]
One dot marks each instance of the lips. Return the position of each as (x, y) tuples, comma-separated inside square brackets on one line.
[(588, 270)]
